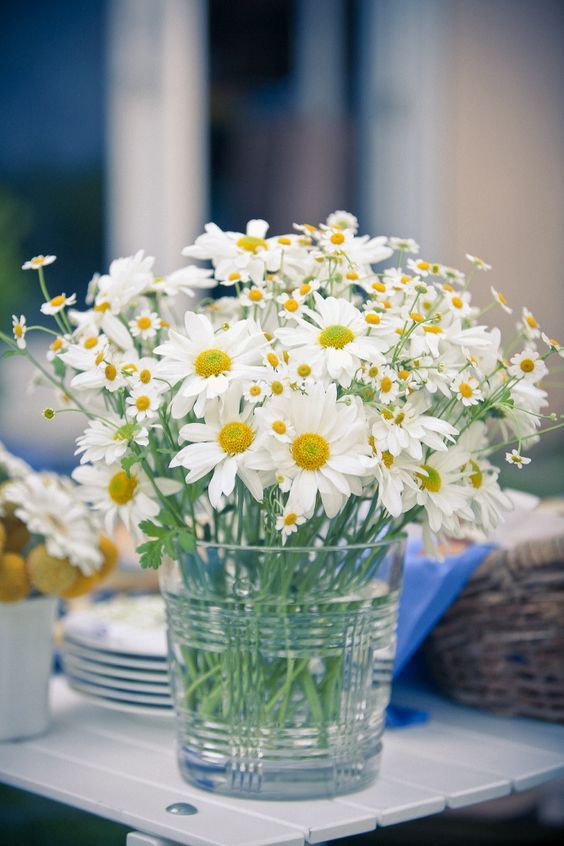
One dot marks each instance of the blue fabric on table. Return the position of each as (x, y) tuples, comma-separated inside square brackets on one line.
[(429, 589)]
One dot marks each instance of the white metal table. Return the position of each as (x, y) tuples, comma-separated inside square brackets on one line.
[(123, 767)]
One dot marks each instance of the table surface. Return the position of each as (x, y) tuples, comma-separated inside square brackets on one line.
[(123, 767)]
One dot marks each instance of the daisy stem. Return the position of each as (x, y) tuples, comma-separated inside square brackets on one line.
[(58, 383), (58, 319), (494, 447)]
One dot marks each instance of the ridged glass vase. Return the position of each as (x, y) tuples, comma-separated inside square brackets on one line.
[(281, 662)]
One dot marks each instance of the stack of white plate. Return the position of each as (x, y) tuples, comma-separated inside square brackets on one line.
[(115, 652)]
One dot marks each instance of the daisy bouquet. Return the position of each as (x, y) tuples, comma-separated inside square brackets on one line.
[(50, 541), (318, 400)]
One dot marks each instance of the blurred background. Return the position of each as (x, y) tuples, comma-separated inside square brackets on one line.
[(128, 124)]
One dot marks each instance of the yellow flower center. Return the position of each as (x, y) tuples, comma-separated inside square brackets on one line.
[(129, 368), (310, 451), (142, 403), (532, 322), (386, 385), (305, 289), (211, 363), (416, 316), (457, 302), (89, 343), (372, 318), (164, 324), (433, 330), (447, 287), (255, 390), (144, 323), (303, 370), (290, 519), (57, 344), (284, 240), (251, 244), (235, 437), (399, 418), (268, 336), (272, 359), (423, 265), (379, 286), (337, 238), (373, 371), (527, 365), (279, 427), (256, 295), (58, 301), (387, 458), (352, 274), (466, 390), (501, 298), (234, 277), (277, 388), (291, 305), (477, 476), (38, 261), (403, 374), (18, 330), (110, 372), (101, 307), (122, 487), (431, 482), (145, 376), (336, 336)]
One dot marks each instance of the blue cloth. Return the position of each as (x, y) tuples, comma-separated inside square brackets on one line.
[(429, 589)]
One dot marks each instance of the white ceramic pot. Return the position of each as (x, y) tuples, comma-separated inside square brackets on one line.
[(26, 660)]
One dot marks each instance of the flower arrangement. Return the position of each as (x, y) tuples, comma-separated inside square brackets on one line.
[(50, 541), (318, 401)]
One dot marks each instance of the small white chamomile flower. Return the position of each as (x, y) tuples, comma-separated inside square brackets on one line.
[(257, 391), (501, 300), (38, 261), (530, 325), (143, 403), (292, 304), (19, 329), (527, 365), (467, 389), (57, 303), (255, 297), (343, 220), (478, 263), (274, 422), (145, 325), (514, 457), (287, 523), (407, 245), (554, 345)]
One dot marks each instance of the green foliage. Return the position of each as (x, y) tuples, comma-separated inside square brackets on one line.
[(165, 539)]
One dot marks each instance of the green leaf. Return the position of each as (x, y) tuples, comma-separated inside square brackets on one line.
[(187, 541), (59, 367), (150, 555), (127, 462)]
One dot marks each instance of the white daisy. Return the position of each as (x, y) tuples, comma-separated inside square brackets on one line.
[(38, 261), (554, 345), (501, 300), (393, 475), (386, 384), (287, 523), (441, 489), (108, 440), (57, 303), (221, 443), (126, 280), (145, 325), (19, 329), (407, 245), (459, 304), (528, 365), (326, 456), (237, 252), (55, 347), (207, 361), (343, 220), (48, 506), (530, 325), (108, 489), (255, 297), (256, 392), (478, 263), (407, 429), (143, 403), (335, 336), (187, 280), (273, 421), (515, 457), (467, 389), (292, 305)]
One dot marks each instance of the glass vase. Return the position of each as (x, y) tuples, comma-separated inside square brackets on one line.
[(281, 662)]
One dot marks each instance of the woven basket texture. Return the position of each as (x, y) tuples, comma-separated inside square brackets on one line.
[(500, 646)]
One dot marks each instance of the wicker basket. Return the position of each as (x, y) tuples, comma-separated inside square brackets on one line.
[(500, 646)]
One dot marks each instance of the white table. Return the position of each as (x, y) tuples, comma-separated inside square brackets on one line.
[(123, 767)]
